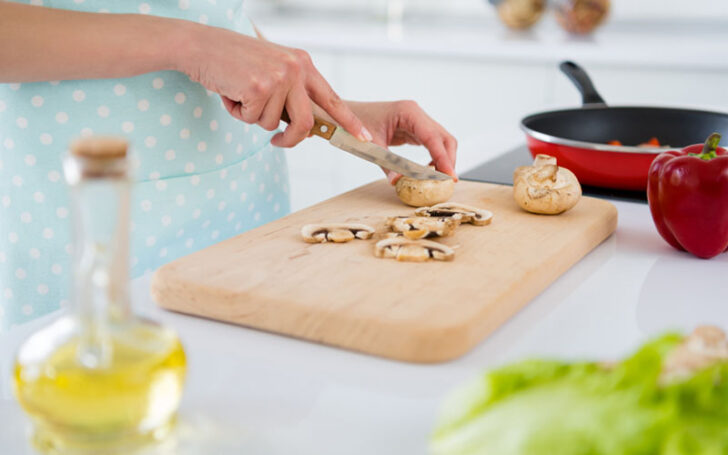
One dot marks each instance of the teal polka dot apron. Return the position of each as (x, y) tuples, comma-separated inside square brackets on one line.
[(201, 176)]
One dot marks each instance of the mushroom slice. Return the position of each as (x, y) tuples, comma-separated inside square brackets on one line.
[(702, 348), (544, 187), (403, 249), (458, 212), (337, 232), (422, 227)]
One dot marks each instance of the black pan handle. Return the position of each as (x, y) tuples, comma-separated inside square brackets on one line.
[(589, 94)]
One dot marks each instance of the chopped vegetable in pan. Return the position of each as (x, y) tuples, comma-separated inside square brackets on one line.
[(652, 143)]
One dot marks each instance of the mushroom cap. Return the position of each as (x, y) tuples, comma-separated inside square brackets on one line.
[(544, 187), (404, 249), (336, 232), (420, 193)]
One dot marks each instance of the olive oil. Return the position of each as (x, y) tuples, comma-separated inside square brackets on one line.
[(100, 380), (77, 409)]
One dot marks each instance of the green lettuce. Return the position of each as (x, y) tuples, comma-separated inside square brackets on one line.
[(547, 407)]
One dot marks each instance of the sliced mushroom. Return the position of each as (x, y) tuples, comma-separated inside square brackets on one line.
[(458, 212), (702, 348), (422, 227), (545, 187), (403, 249), (337, 233), (420, 193)]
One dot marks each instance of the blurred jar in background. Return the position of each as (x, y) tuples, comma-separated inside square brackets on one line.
[(581, 16), (519, 14)]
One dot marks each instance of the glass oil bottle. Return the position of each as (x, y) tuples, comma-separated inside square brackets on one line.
[(100, 380)]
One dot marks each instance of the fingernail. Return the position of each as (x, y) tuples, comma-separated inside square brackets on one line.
[(366, 135), (393, 177)]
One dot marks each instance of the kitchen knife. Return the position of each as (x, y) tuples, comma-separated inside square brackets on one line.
[(339, 138)]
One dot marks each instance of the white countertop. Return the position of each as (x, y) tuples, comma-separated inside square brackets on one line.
[(260, 393), (684, 43)]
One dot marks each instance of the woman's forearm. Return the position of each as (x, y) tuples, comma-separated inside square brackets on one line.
[(41, 44)]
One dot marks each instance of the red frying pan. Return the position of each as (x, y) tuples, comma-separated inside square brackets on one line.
[(578, 138)]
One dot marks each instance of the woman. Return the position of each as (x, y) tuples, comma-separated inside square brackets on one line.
[(151, 71)]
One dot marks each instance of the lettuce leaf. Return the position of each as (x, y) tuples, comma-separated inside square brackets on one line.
[(548, 407)]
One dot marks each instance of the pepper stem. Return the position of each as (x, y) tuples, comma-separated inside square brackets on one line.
[(711, 144), (710, 149)]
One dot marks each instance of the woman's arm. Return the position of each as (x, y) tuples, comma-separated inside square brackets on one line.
[(44, 44), (256, 79)]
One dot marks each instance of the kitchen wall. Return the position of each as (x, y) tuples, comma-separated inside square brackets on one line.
[(621, 9), (479, 79)]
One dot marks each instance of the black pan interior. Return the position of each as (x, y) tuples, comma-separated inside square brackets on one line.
[(631, 125)]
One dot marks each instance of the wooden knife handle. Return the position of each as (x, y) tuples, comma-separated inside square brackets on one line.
[(321, 127)]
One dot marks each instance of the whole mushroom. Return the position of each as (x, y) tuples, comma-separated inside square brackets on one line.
[(421, 193), (545, 188)]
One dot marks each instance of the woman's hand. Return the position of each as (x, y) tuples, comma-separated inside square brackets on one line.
[(404, 122), (258, 79)]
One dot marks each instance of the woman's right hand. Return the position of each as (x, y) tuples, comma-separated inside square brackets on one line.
[(257, 79)]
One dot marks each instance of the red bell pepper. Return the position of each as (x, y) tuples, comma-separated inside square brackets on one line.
[(688, 195)]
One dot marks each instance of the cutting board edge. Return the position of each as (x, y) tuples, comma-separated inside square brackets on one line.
[(414, 344)]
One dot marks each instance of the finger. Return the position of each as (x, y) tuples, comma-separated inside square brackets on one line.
[(246, 111), (323, 95), (270, 117), (300, 111), (233, 107), (392, 176), (451, 145), (429, 133), (436, 146), (250, 109)]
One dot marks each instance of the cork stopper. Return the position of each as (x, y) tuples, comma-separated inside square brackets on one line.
[(99, 147)]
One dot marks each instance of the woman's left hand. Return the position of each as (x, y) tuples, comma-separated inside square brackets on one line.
[(404, 122)]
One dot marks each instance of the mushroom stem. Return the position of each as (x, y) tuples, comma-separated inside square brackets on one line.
[(548, 171)]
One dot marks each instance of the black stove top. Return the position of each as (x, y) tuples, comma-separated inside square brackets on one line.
[(500, 170)]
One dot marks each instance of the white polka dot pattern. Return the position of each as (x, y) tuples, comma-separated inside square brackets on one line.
[(201, 175)]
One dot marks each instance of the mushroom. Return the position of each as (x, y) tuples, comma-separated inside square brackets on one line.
[(702, 348), (337, 233), (458, 212), (403, 249), (421, 227), (420, 193), (545, 187)]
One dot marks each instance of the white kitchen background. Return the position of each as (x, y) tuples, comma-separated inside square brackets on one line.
[(479, 79)]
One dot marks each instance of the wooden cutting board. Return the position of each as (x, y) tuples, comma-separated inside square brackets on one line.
[(341, 295)]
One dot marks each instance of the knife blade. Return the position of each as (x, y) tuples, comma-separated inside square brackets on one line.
[(341, 139)]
